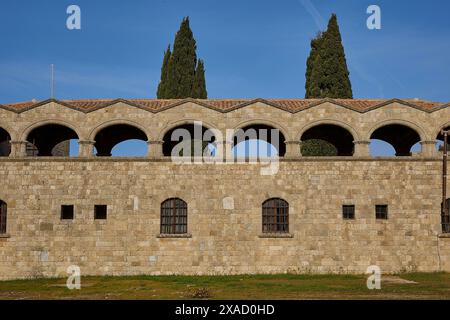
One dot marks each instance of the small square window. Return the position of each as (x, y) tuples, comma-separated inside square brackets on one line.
[(348, 212), (381, 212), (67, 212), (100, 212)]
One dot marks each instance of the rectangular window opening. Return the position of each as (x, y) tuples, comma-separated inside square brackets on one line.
[(100, 212), (381, 212), (67, 212), (348, 212)]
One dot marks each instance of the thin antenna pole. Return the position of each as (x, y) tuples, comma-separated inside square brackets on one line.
[(52, 85)]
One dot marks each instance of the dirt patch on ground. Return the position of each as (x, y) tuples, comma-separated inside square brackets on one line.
[(396, 280)]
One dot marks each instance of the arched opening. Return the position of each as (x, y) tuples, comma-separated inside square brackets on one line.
[(174, 216), (327, 140), (51, 140), (403, 139), (5, 143), (259, 141), (3, 216), (191, 139), (275, 216), (120, 140), (440, 140)]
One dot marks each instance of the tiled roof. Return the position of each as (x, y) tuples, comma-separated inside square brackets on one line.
[(227, 105)]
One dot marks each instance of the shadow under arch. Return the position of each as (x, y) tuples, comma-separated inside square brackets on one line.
[(5, 143), (327, 139), (198, 138), (400, 136), (109, 135), (50, 139), (255, 133)]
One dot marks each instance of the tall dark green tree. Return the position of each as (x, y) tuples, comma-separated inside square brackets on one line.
[(162, 87), (327, 74), (315, 45), (199, 86), (181, 79)]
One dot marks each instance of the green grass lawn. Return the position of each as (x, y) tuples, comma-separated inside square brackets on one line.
[(403, 286)]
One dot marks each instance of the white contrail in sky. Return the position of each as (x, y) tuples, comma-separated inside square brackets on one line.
[(315, 14)]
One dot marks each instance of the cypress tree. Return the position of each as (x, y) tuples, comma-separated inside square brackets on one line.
[(162, 87), (199, 86), (327, 74), (181, 75), (315, 45), (182, 63)]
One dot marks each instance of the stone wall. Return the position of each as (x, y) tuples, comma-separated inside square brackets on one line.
[(225, 235), (292, 125)]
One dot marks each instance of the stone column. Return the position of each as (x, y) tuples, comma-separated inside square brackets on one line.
[(362, 148), (429, 149), (293, 149), (224, 150), (155, 149), (85, 148), (18, 149)]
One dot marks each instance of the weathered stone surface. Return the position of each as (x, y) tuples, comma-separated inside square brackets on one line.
[(224, 240), (224, 201)]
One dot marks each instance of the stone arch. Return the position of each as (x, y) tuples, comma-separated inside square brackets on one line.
[(257, 125), (12, 133), (179, 123), (50, 138), (274, 124), (411, 125), (437, 133), (189, 125), (109, 134), (27, 130), (110, 123), (328, 138), (344, 125), (400, 134)]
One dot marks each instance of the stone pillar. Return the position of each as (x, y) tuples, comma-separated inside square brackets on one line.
[(362, 148), (85, 148), (429, 149), (155, 149), (293, 149), (224, 150), (18, 149)]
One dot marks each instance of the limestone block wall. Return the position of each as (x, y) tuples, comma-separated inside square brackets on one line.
[(292, 125), (225, 235)]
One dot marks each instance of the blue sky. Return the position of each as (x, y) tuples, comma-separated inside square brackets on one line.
[(251, 48)]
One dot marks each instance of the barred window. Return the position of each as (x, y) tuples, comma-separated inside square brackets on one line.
[(348, 212), (173, 216), (2, 217), (275, 216), (381, 212)]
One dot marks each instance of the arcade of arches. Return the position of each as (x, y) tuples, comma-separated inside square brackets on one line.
[(53, 140)]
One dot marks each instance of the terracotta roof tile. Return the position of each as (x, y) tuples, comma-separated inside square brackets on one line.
[(225, 105)]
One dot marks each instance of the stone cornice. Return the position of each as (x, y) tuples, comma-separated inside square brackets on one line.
[(210, 105)]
